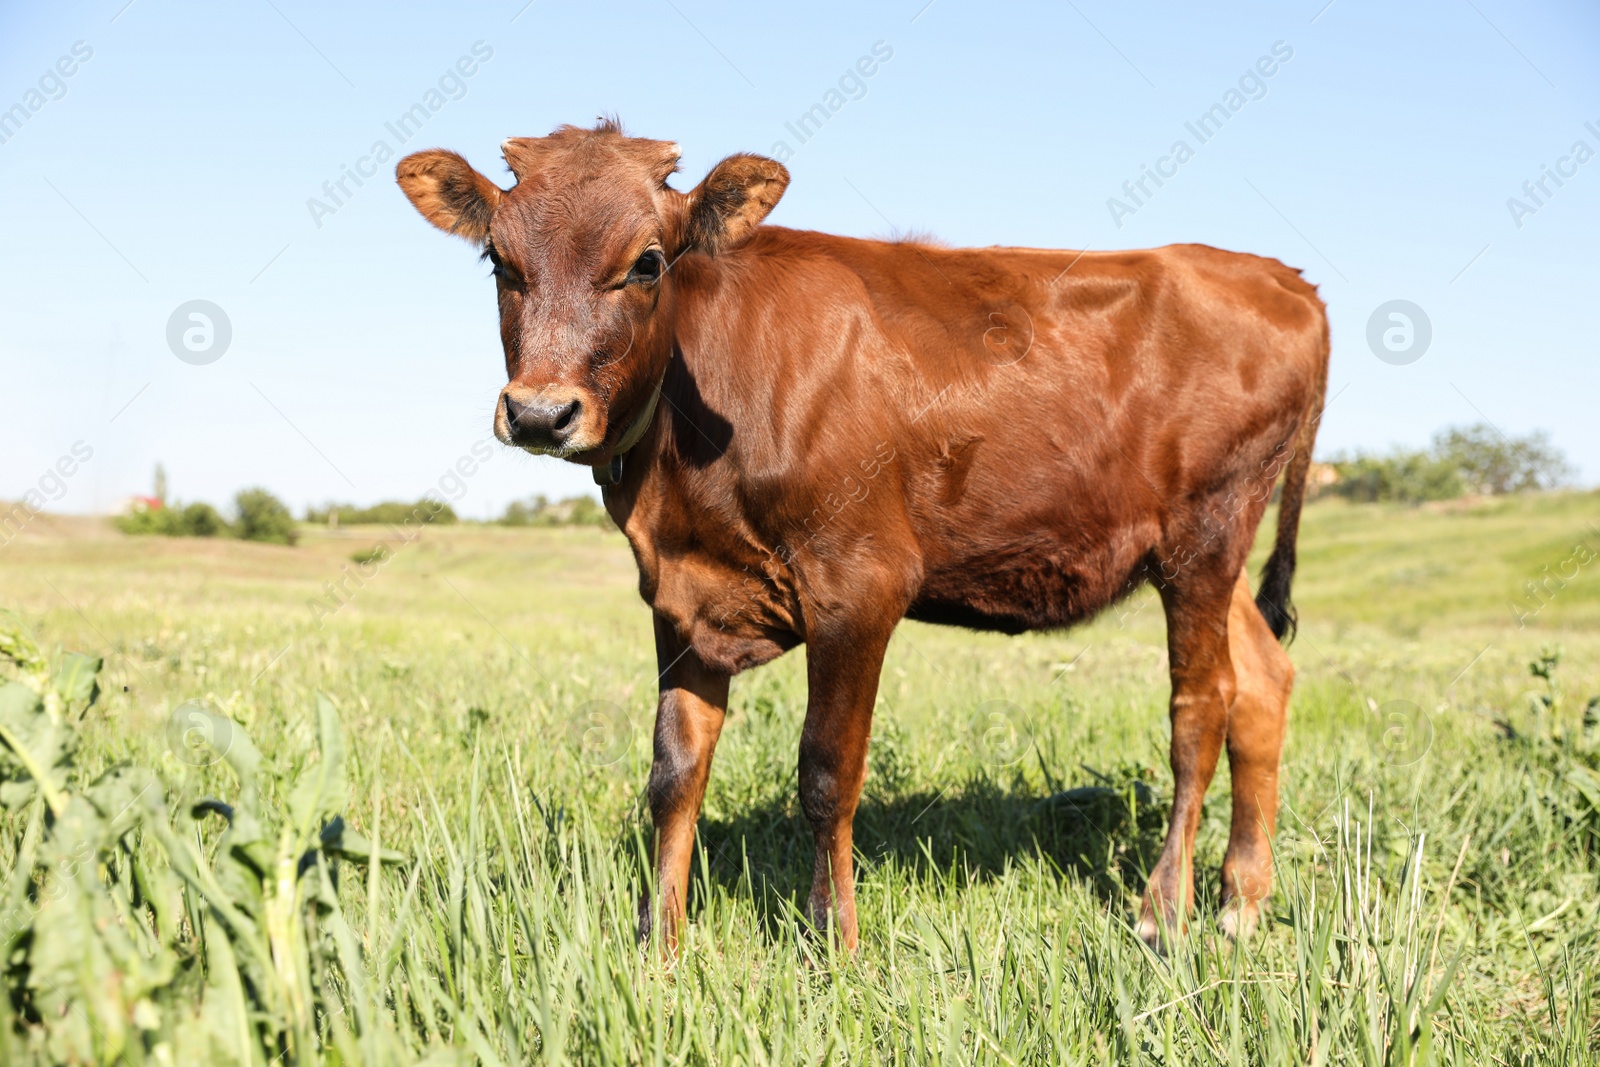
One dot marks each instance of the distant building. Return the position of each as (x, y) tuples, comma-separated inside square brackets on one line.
[(1321, 478)]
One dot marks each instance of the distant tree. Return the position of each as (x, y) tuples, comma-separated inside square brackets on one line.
[(161, 484), (1492, 464), (326, 512), (1473, 459), (587, 511), (541, 511), (263, 517), (525, 512), (388, 513), (1403, 475)]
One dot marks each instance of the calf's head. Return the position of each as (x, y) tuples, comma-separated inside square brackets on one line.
[(582, 247)]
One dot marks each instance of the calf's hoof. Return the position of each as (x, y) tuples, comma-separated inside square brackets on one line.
[(1239, 918), (1162, 918), (832, 922), (1245, 889), (669, 925), (1158, 929)]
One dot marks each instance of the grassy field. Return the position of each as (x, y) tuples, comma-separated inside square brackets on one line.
[(1437, 897)]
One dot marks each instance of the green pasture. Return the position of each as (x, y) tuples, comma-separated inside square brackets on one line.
[(1437, 896)]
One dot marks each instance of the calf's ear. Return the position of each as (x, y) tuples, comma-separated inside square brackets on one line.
[(727, 207), (449, 193)]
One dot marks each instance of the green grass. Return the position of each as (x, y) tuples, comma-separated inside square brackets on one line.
[(1437, 897)]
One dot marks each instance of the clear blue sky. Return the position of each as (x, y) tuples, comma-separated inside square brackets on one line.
[(175, 163)]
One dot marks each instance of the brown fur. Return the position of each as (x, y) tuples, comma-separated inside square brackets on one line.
[(852, 432)]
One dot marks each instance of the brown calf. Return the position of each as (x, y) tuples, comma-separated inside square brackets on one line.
[(807, 438)]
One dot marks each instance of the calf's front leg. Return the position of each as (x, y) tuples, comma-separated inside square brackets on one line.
[(694, 699), (842, 671)]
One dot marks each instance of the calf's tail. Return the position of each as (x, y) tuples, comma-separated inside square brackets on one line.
[(1272, 595)]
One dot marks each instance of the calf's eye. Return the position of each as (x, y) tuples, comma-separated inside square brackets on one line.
[(647, 269)]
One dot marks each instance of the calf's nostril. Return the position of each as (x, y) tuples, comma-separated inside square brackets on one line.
[(566, 417), (514, 411)]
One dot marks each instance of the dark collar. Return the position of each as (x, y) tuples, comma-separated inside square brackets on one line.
[(611, 473)]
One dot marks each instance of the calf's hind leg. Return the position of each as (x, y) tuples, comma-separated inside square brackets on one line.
[(1263, 677), (1202, 691)]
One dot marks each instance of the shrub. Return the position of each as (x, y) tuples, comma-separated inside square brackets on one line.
[(202, 520), (263, 517), (193, 520), (1563, 756), (127, 940), (145, 521)]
